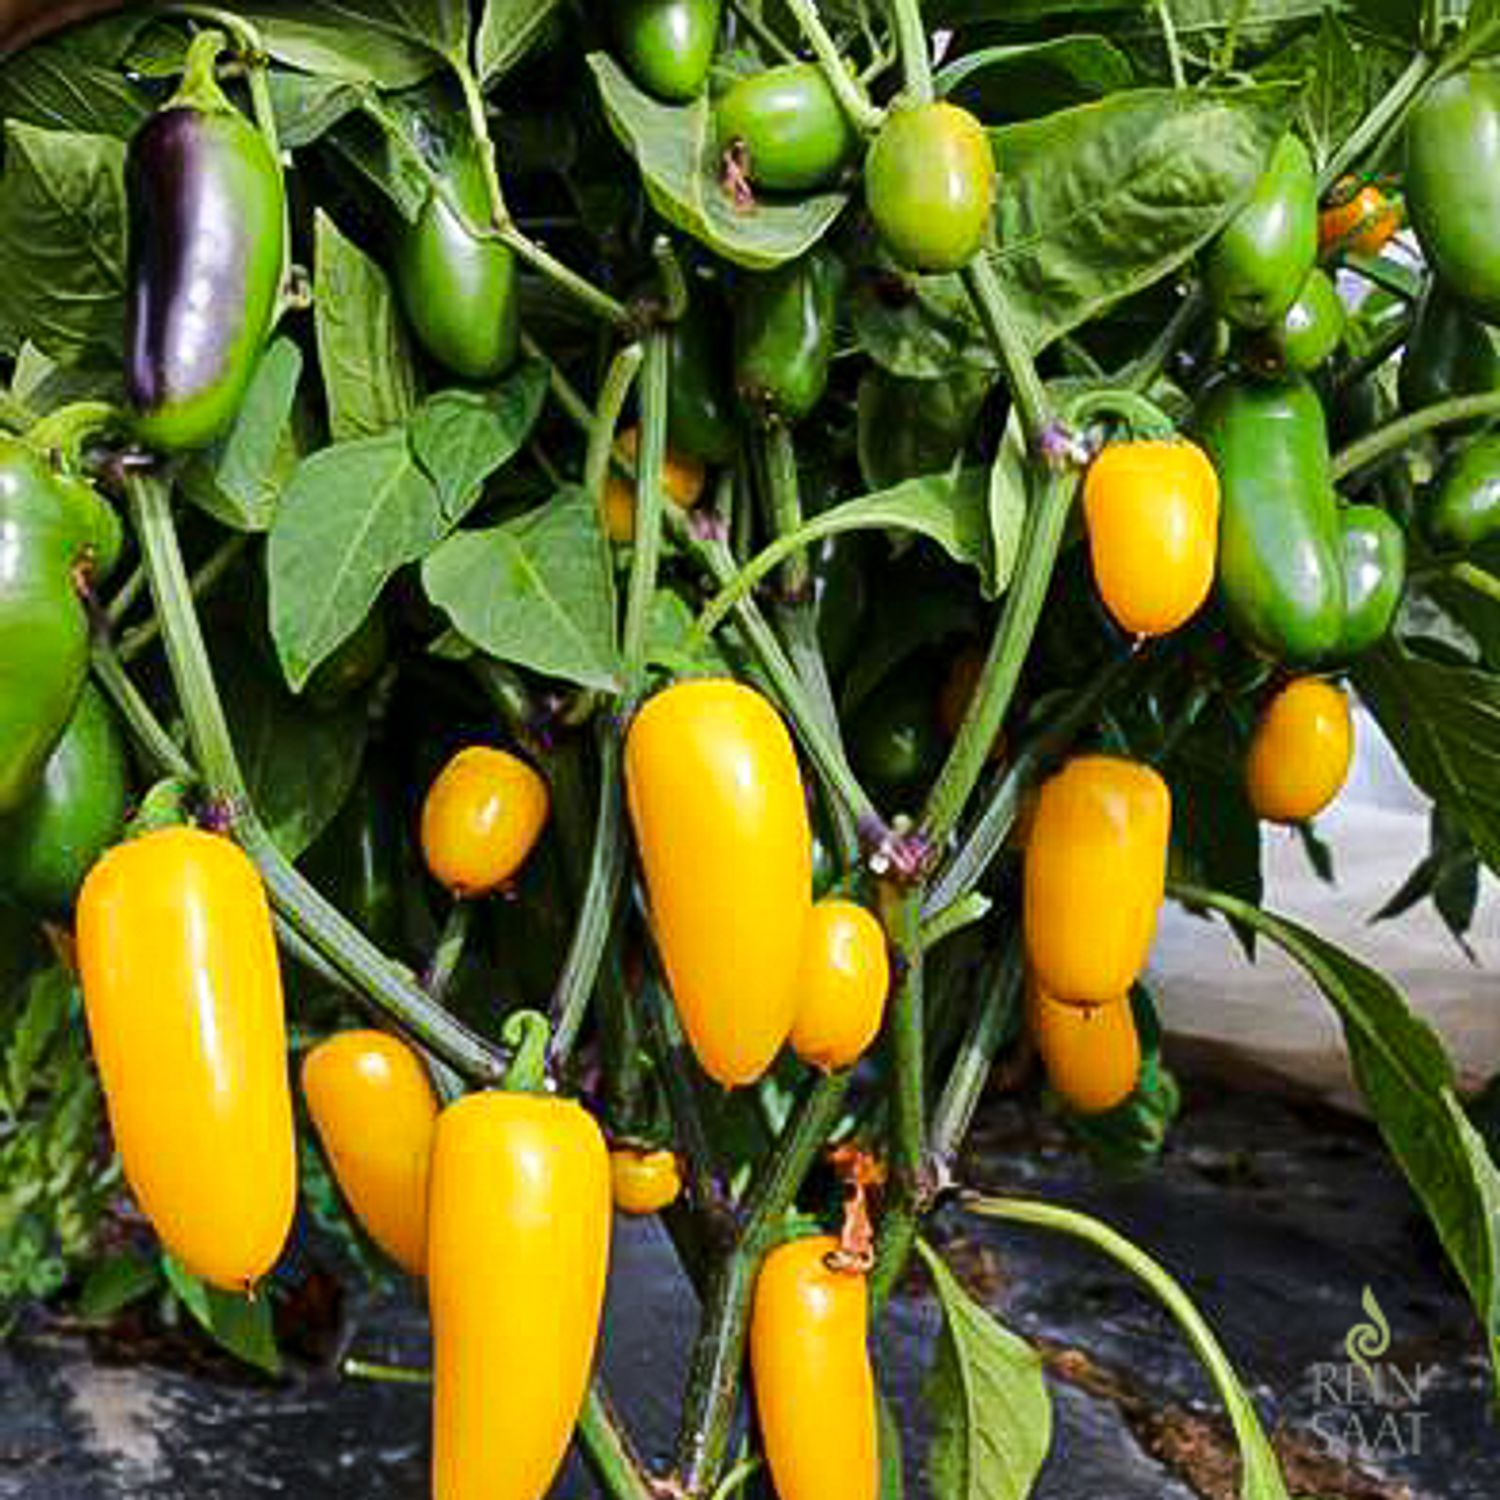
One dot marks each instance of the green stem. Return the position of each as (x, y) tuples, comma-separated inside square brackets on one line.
[(915, 50), (749, 14), (1169, 37), (1396, 435), (159, 748), (1480, 580), (449, 952), (596, 914), (527, 1033), (366, 1369), (1143, 372), (678, 1072), (133, 642), (1026, 388), (1375, 356), (126, 596), (608, 1450), (953, 918), (649, 503), (63, 431), (1381, 121), (778, 461), (863, 115), (1046, 522)]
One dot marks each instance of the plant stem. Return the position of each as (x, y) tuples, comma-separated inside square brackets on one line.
[(449, 952), (649, 503), (1046, 521), (1480, 580), (915, 50), (863, 115), (1169, 37), (1026, 388), (1167, 342), (159, 748), (133, 642), (608, 1450), (1381, 121), (1397, 434), (366, 1369), (749, 14)]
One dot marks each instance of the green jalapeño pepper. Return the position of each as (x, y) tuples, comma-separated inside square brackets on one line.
[(784, 130), (1374, 552), (700, 404), (459, 292), (1452, 184), (667, 45), (56, 534), (1463, 506), (206, 249), (1450, 353), (1309, 331), (1260, 260), (1280, 550), (783, 335), (51, 841)]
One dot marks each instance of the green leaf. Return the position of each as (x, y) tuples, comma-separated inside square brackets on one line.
[(1444, 722), (1260, 1474), (1034, 78), (240, 480), (362, 347), (44, 1013), (506, 32), (67, 82), (676, 148), (1332, 100), (951, 509), (537, 590), (919, 327), (1101, 201), (392, 44), (462, 437), (299, 762), (62, 242), (242, 1325), (992, 1416), (892, 1479), (352, 514), (1406, 1075), (114, 1283), (673, 645), (307, 107)]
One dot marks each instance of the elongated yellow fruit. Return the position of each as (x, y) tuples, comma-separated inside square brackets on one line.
[(183, 996), (720, 820)]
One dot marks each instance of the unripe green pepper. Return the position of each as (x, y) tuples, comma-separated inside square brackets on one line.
[(1450, 353), (1452, 184), (785, 128), (1374, 553), (206, 249), (783, 335), (1260, 260), (1462, 507), (895, 739), (1313, 326), (55, 531), (700, 404), (667, 45), (76, 812), (1280, 573), (459, 292)]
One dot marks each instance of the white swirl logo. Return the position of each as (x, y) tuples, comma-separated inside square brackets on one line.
[(1367, 1341)]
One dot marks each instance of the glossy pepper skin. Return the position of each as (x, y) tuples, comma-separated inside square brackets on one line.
[(1313, 326), (701, 420), (1463, 508), (482, 816), (206, 250), (668, 45), (814, 1388), (1152, 511), (1092, 1056), (783, 336), (49, 843), (1257, 265), (842, 985), (1374, 553), (54, 532), (643, 1182), (1280, 565), (1358, 219), (517, 1252), (459, 293), (1449, 353), (720, 819), (930, 186), (375, 1113), (683, 479), (183, 995), (1300, 751), (1452, 184), (785, 129), (1096, 865)]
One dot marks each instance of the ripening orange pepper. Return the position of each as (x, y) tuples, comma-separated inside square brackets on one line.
[(841, 991), (683, 478), (1092, 1054), (1152, 511), (517, 1253), (814, 1388), (481, 818), (1365, 221), (643, 1182), (720, 819), (374, 1109), (183, 996), (1096, 864), (1300, 751)]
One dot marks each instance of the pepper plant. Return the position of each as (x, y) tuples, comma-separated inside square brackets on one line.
[(810, 524)]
